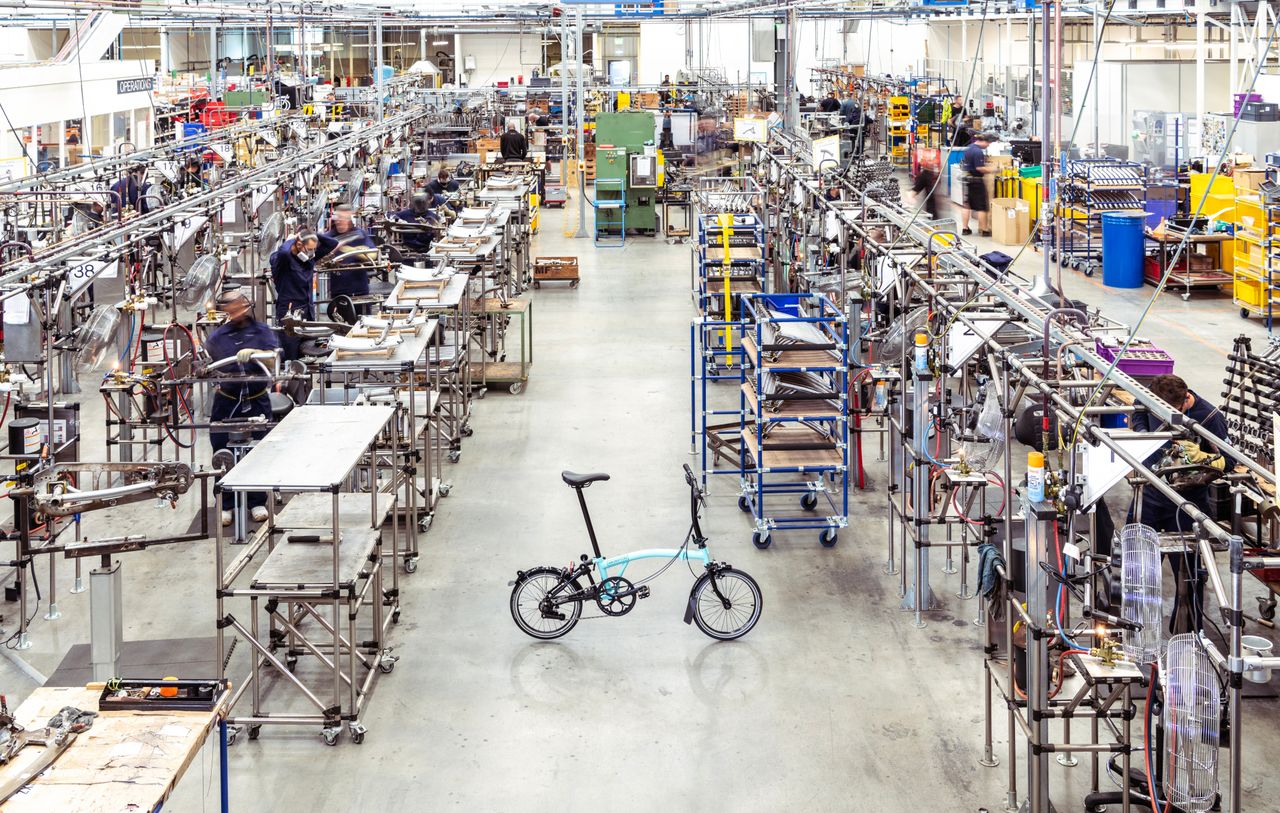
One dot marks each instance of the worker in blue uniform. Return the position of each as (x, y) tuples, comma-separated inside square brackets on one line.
[(293, 270), (241, 336), (419, 213), (128, 190), (443, 184), (1157, 511), (350, 274)]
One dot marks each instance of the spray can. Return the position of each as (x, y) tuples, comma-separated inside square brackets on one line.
[(1035, 477), (921, 364)]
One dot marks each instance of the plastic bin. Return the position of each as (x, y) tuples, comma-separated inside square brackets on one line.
[(1122, 249)]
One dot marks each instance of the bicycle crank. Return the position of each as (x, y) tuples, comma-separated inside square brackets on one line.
[(616, 596)]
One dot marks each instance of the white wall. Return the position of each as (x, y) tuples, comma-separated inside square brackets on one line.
[(889, 46), (1126, 87), (819, 43), (726, 44), (661, 51), (499, 57)]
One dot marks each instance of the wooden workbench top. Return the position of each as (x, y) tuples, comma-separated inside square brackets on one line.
[(126, 761)]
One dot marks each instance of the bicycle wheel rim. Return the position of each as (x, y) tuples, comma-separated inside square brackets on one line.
[(525, 607), (744, 605)]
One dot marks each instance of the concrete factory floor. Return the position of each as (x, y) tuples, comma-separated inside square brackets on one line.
[(834, 703)]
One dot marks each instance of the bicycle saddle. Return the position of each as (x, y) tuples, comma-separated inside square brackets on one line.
[(582, 480)]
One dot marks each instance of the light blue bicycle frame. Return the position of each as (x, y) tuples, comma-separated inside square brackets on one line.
[(688, 553)]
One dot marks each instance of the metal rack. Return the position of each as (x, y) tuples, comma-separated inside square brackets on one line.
[(728, 264), (403, 378), (794, 414), (1090, 188), (1257, 257), (323, 550)]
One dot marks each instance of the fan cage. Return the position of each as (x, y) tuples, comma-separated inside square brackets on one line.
[(1141, 593), (1192, 725)]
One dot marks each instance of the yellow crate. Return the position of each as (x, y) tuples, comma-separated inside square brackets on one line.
[(1248, 292)]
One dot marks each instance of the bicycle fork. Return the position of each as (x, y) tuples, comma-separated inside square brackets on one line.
[(714, 572)]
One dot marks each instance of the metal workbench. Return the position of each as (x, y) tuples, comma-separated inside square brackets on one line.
[(321, 550)]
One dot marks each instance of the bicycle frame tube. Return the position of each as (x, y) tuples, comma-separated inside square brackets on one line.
[(604, 566)]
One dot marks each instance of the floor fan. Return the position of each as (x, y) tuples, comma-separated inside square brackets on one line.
[(1192, 723)]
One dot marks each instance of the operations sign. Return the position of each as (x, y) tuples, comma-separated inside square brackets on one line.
[(135, 85)]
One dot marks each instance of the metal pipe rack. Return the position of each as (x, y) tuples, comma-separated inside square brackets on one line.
[(1021, 345)]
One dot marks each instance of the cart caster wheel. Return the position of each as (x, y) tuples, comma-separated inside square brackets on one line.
[(445, 488), (387, 665), (454, 457), (1053, 256), (411, 565), (828, 538), (395, 617), (1244, 313), (516, 388), (254, 730), (291, 662), (744, 505), (330, 735), (233, 732), (760, 540), (424, 524), (358, 739), (467, 431), (537, 286), (480, 393), (1266, 608), (809, 502), (573, 283)]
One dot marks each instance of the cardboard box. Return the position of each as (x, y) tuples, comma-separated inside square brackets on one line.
[(485, 146), (1010, 221), (1249, 180)]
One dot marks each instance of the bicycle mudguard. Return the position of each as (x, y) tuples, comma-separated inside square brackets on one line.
[(688, 607)]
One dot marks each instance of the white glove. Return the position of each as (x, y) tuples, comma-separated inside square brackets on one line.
[(246, 355)]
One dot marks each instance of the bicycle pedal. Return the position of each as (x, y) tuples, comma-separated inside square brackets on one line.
[(642, 591)]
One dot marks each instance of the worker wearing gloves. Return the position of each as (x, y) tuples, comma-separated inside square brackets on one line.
[(293, 270), (419, 213), (350, 276), (241, 337), (1158, 512)]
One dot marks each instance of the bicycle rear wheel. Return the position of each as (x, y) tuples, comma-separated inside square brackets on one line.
[(729, 609), (527, 604)]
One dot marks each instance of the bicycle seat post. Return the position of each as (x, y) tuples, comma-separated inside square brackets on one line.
[(586, 516)]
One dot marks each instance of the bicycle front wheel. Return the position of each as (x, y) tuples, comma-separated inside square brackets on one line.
[(726, 603), (527, 604)]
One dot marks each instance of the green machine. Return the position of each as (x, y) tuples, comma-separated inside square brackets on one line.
[(631, 130)]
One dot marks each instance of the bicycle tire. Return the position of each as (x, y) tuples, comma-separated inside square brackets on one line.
[(711, 616), (524, 608)]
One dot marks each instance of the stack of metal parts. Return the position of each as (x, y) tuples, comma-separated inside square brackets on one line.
[(876, 178)]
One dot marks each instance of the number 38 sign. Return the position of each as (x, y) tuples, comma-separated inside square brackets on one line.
[(81, 275)]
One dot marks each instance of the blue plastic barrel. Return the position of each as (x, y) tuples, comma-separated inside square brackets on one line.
[(1122, 249)]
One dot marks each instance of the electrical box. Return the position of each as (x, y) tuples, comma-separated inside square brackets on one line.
[(643, 172)]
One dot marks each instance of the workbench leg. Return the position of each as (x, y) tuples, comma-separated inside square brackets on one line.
[(222, 766)]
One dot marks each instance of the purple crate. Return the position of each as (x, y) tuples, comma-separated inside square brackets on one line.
[(1141, 360), (1240, 98)]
